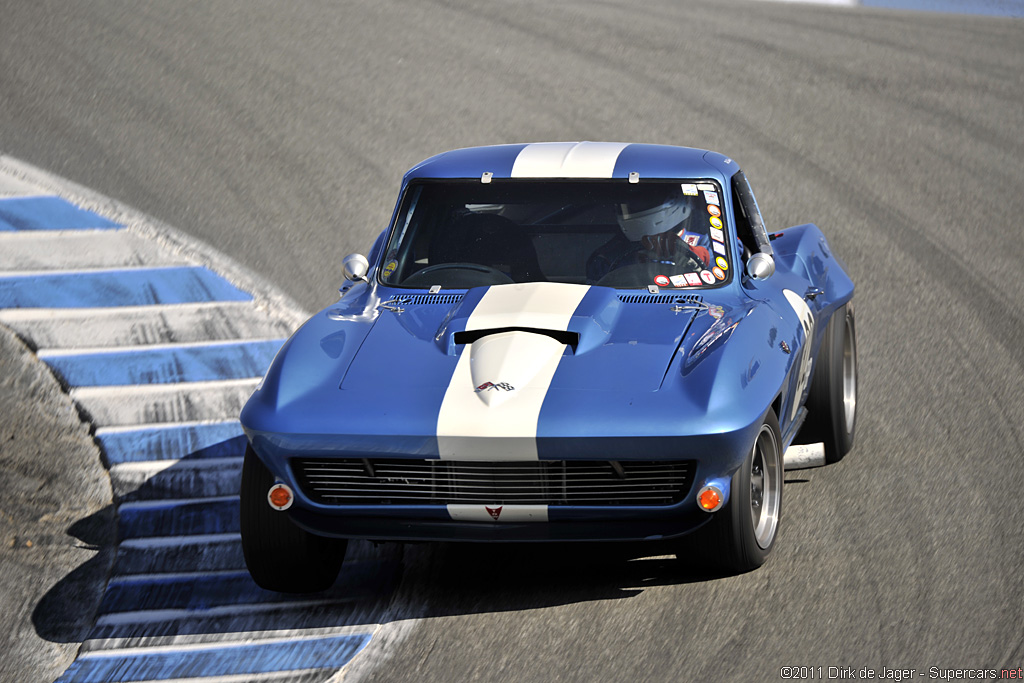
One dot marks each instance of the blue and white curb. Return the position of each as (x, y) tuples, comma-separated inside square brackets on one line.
[(159, 351)]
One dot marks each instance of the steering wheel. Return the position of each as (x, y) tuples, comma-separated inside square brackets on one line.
[(682, 258), (631, 276), (486, 275), (638, 257)]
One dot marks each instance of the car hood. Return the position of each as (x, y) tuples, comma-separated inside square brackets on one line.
[(511, 339), (508, 372)]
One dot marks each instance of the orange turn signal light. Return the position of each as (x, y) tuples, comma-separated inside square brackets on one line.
[(710, 498), (280, 497)]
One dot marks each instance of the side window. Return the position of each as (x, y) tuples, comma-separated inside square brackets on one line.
[(743, 230), (749, 225)]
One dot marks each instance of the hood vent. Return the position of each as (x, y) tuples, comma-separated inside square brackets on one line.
[(659, 298), (422, 299)]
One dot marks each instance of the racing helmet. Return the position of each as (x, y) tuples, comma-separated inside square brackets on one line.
[(646, 217)]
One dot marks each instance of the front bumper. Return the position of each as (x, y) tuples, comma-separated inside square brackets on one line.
[(434, 527), (499, 521), (713, 457)]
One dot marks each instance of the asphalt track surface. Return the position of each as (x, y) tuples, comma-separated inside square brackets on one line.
[(278, 133)]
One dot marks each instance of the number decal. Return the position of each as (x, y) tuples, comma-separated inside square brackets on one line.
[(803, 312)]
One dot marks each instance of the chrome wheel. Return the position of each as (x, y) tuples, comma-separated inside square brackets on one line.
[(765, 487), (743, 532), (849, 375)]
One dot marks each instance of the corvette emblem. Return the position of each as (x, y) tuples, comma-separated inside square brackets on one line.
[(494, 512), (500, 386)]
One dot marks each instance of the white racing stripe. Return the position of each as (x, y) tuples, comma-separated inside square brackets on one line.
[(157, 466), (136, 505), (163, 615), (268, 677), (120, 429), (182, 644), (135, 391), (156, 542), (542, 305), (474, 425), (168, 346), (147, 406), (126, 645), (471, 424), (18, 314), (567, 160), (129, 579)]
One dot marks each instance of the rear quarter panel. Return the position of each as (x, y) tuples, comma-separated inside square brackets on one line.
[(804, 261)]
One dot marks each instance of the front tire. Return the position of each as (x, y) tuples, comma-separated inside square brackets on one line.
[(279, 555), (832, 401), (742, 534)]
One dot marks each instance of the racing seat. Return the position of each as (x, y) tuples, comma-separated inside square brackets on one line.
[(490, 240)]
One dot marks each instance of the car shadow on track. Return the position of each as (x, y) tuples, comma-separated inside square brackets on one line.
[(449, 579), (67, 611), (170, 565), (179, 571)]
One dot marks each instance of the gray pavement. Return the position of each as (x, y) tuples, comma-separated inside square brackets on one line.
[(278, 133), (56, 521)]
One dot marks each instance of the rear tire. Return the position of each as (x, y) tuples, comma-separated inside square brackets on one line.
[(280, 556), (832, 401)]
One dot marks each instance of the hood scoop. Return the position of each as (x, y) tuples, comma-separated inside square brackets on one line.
[(565, 337), (507, 364)]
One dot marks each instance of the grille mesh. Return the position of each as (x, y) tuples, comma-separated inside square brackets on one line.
[(442, 482)]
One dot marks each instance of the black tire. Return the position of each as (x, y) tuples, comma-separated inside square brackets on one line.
[(742, 534), (280, 556), (832, 401)]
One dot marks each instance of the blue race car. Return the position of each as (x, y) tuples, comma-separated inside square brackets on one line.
[(555, 342)]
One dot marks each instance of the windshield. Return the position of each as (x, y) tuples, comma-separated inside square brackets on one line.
[(461, 234)]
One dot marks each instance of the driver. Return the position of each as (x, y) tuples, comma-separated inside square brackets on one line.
[(651, 234)]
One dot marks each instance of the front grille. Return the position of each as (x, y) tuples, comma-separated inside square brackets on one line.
[(443, 482)]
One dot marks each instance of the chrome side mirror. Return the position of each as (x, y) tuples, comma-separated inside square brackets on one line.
[(355, 267), (761, 266)]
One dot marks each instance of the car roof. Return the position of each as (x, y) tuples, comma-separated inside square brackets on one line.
[(576, 160)]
